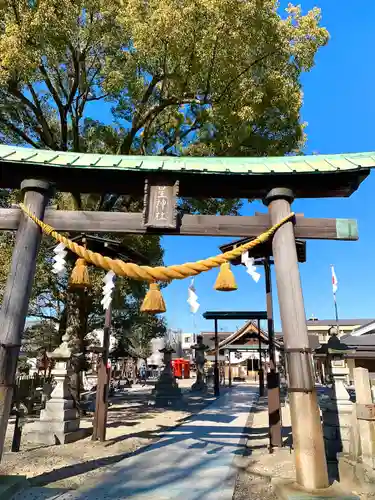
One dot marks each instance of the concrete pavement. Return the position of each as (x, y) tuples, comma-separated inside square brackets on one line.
[(194, 461)]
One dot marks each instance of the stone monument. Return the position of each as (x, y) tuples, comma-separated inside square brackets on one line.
[(357, 468), (199, 348), (59, 422), (337, 411), (166, 390)]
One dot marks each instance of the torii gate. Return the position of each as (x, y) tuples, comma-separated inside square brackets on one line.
[(275, 180)]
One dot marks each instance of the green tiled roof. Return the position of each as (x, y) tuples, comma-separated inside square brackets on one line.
[(278, 165)]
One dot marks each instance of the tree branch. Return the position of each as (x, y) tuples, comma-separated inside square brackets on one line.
[(46, 316), (19, 132), (60, 82), (151, 114), (178, 136), (42, 120), (164, 69), (125, 146), (51, 88), (191, 60), (44, 132), (228, 85), (75, 84), (60, 107), (210, 69), (85, 95), (97, 98)]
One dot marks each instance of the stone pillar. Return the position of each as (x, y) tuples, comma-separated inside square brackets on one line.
[(229, 368), (350, 363), (366, 427), (337, 419), (357, 465), (210, 378), (199, 348), (166, 388), (59, 421)]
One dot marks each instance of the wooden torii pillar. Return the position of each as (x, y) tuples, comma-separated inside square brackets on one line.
[(17, 293), (262, 257), (306, 425)]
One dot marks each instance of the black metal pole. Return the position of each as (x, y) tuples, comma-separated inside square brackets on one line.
[(216, 367), (273, 379), (260, 372), (17, 433)]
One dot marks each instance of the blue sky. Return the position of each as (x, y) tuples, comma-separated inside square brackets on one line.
[(339, 106)]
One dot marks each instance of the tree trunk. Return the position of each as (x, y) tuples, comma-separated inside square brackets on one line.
[(78, 308), (63, 323), (135, 370)]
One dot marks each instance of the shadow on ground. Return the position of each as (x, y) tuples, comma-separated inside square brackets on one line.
[(209, 432)]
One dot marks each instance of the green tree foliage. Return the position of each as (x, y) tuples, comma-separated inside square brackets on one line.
[(139, 346), (205, 77), (172, 77)]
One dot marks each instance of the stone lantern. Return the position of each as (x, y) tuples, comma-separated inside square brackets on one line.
[(59, 422), (166, 388)]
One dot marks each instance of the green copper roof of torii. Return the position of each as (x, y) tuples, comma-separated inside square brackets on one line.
[(214, 165)]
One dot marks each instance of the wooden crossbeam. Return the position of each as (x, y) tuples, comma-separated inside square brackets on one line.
[(190, 225)]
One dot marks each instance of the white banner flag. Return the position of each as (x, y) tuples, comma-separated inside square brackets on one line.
[(250, 268), (334, 281), (192, 298)]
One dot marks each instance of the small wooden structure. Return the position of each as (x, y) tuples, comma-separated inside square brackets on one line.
[(253, 339), (246, 339), (232, 315), (277, 181)]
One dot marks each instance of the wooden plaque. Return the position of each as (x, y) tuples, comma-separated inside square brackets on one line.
[(160, 205), (365, 412)]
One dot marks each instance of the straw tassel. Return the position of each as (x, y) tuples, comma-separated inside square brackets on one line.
[(153, 302), (80, 277), (225, 281)]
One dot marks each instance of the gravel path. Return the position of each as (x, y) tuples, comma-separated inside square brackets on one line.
[(132, 423), (258, 467)]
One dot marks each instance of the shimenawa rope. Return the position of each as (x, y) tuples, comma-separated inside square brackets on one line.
[(153, 274)]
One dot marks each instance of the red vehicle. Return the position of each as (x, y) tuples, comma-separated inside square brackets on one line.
[(181, 368)]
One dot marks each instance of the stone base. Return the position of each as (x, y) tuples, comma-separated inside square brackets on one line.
[(199, 386), (166, 391), (337, 428), (45, 433), (289, 490), (356, 475)]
